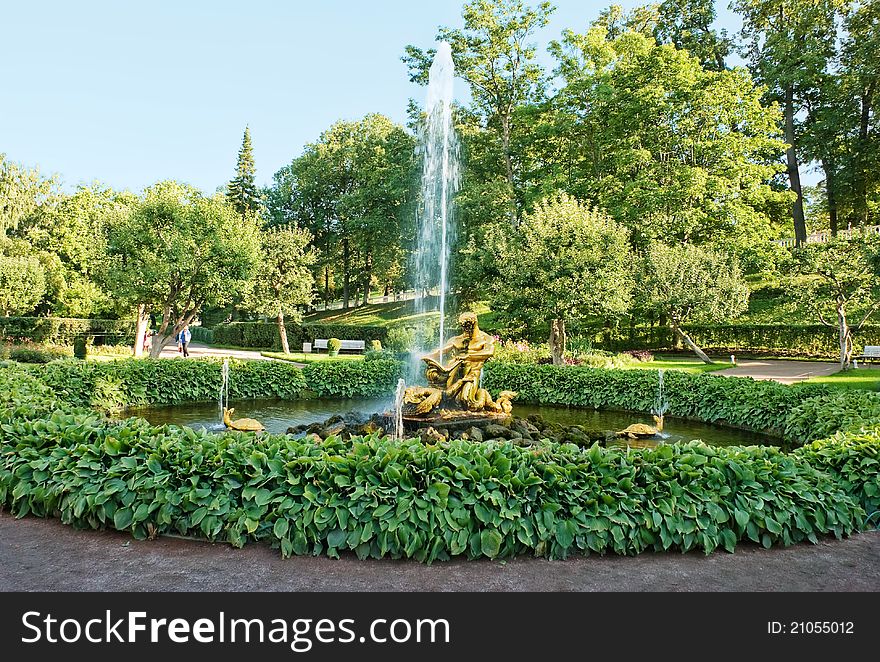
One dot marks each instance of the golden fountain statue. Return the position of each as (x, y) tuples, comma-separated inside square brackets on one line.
[(458, 381)]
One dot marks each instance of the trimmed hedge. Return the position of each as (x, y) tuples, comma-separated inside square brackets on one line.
[(811, 340), (799, 413), (201, 334), (264, 335), (132, 382), (379, 497), (63, 330)]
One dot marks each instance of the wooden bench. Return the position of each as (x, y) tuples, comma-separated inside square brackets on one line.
[(870, 353), (353, 345)]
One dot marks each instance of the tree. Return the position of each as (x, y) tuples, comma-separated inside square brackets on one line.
[(687, 25), (23, 192), (789, 45), (564, 263), (493, 56), (22, 283), (691, 284), (672, 151), (860, 76), (839, 281), (242, 190), (353, 190), (71, 239), (284, 278), (177, 252)]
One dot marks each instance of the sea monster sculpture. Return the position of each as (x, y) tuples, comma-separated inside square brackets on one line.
[(458, 380), (242, 424)]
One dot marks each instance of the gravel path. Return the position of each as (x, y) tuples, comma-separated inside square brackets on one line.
[(45, 555), (786, 372)]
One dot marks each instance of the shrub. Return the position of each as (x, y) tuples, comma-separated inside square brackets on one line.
[(264, 335), (63, 330), (383, 498), (37, 354), (79, 348), (376, 345), (201, 334), (642, 355), (334, 345), (353, 378), (400, 338)]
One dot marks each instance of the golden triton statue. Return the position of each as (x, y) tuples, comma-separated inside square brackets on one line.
[(459, 379)]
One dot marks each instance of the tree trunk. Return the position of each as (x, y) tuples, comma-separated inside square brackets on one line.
[(140, 329), (794, 175), (844, 338), (282, 332), (326, 285), (690, 343), (508, 164), (346, 277), (368, 275), (861, 185), (557, 341), (830, 195)]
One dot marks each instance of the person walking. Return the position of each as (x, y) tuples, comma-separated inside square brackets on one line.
[(183, 339)]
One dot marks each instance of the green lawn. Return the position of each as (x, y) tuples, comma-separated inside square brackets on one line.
[(685, 363), (300, 357), (381, 314), (862, 378)]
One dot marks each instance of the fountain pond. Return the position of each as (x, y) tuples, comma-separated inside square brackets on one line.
[(582, 426)]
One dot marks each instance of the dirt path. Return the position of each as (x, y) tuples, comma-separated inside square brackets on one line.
[(199, 350), (41, 555), (786, 372)]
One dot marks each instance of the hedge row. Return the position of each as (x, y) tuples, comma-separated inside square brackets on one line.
[(379, 497), (63, 330), (812, 340), (264, 335), (114, 385), (799, 413)]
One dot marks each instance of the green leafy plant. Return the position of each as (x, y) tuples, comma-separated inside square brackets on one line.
[(380, 497), (333, 346)]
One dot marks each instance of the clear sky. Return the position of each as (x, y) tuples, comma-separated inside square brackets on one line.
[(130, 93)]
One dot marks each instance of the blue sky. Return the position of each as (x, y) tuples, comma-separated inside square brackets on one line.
[(130, 93)]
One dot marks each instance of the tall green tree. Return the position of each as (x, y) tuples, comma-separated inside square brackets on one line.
[(671, 150), (688, 25), (177, 252), (284, 280), (242, 190), (840, 282), (860, 75), (789, 45), (692, 284), (23, 193), (565, 263), (22, 284), (71, 238), (493, 55), (353, 189)]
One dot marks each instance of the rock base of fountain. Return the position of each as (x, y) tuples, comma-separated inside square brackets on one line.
[(475, 427)]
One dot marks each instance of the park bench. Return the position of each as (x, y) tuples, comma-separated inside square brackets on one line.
[(352, 345), (870, 353)]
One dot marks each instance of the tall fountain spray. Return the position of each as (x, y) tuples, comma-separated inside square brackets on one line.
[(440, 180)]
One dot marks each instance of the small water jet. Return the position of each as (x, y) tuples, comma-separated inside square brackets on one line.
[(224, 389)]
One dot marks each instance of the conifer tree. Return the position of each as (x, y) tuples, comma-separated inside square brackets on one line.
[(242, 191)]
